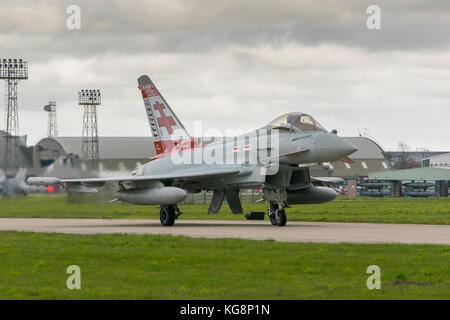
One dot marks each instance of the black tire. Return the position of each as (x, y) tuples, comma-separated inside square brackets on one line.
[(273, 220), (278, 217), (167, 215), (272, 208)]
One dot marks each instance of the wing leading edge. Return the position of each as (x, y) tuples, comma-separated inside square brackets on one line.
[(192, 175)]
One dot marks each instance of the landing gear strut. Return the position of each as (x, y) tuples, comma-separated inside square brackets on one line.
[(168, 214), (277, 214)]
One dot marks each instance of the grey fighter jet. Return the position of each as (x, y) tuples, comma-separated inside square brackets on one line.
[(15, 185), (273, 159)]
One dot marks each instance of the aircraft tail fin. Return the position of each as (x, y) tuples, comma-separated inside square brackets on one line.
[(21, 174), (165, 126)]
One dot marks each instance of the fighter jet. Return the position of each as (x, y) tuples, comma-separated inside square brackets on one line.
[(10, 186), (274, 159)]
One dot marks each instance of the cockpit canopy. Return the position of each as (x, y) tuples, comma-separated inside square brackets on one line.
[(296, 121)]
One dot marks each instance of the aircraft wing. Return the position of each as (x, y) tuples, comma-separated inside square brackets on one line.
[(186, 175)]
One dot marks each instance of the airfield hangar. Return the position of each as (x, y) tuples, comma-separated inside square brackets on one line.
[(370, 162), (125, 153), (115, 153), (370, 157)]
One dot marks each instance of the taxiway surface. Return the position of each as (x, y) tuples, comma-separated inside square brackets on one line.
[(256, 230)]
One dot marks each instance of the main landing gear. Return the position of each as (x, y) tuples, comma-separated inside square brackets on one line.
[(277, 215), (168, 214)]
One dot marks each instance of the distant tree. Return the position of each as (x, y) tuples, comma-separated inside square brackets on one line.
[(404, 155)]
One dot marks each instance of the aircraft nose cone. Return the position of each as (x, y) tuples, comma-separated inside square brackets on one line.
[(347, 147), (330, 147)]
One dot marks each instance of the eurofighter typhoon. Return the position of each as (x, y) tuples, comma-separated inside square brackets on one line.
[(274, 159), (11, 186)]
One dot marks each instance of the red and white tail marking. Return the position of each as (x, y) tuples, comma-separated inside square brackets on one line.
[(166, 128)]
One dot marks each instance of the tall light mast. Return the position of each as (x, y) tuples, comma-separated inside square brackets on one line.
[(89, 99), (52, 128), (12, 71)]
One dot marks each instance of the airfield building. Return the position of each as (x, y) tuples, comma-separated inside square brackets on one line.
[(370, 157), (416, 182), (115, 153), (410, 159), (24, 155), (439, 161), (369, 162)]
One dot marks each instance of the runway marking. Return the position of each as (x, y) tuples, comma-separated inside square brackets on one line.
[(333, 232)]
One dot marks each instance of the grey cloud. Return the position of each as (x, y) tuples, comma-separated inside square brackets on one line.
[(248, 61), (246, 88), (194, 26)]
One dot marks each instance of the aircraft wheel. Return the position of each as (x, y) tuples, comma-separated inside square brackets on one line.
[(272, 208), (167, 215), (273, 219), (277, 216)]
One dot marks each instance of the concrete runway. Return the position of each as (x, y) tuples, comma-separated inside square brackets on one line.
[(256, 230)]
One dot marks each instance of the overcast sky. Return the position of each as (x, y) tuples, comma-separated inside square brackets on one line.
[(238, 64)]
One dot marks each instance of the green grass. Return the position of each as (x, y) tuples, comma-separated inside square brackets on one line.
[(33, 266), (423, 211)]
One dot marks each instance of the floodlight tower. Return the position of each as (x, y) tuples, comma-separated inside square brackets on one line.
[(52, 129), (89, 100), (12, 70)]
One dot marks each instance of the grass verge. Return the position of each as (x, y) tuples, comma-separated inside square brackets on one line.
[(422, 211), (33, 266)]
